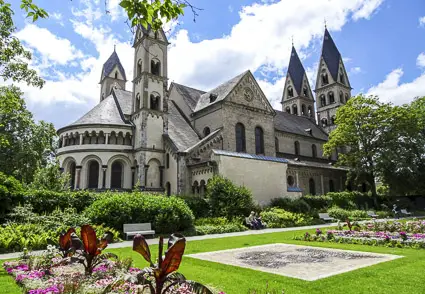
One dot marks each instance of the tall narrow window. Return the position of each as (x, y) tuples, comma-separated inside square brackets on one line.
[(240, 138), (116, 175), (297, 148), (276, 144), (139, 67), (259, 141), (156, 67), (341, 77), (314, 151), (346, 98), (288, 109), (294, 109), (325, 79), (154, 102), (72, 174), (168, 188), (305, 92), (303, 110), (312, 187), (331, 97), (116, 75), (93, 174), (310, 111), (331, 186), (206, 131), (341, 97), (324, 122), (290, 92), (322, 100), (167, 160)]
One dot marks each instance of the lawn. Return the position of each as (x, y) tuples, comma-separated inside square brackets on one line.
[(404, 275)]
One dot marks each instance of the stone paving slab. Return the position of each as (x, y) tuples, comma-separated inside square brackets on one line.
[(296, 261)]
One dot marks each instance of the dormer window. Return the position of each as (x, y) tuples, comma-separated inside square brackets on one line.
[(290, 92), (325, 79), (305, 92), (213, 97), (341, 77), (116, 75)]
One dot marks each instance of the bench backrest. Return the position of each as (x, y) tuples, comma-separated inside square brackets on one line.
[(403, 210), (324, 215), (137, 227)]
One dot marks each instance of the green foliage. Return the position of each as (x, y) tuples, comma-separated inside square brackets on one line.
[(298, 205), (167, 214), (228, 200), (9, 187), (199, 206), (347, 200), (218, 225), (320, 202), (152, 13), (51, 178), (343, 214), (279, 218)]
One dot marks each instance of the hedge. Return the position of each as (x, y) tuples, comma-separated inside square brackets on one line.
[(166, 214)]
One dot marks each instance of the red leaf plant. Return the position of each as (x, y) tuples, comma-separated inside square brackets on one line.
[(162, 277), (91, 254), (69, 242)]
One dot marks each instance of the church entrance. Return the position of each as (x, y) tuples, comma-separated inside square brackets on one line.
[(93, 175), (116, 175)]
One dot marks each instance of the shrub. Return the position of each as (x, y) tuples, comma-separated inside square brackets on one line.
[(215, 221), (279, 218), (228, 200), (228, 228), (197, 204), (294, 205), (321, 202), (343, 214), (10, 188), (167, 214)]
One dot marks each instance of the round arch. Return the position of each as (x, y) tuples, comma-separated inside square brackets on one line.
[(153, 175), (124, 174), (85, 171)]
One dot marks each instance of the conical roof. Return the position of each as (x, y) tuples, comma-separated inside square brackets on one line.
[(331, 54), (110, 64), (296, 70)]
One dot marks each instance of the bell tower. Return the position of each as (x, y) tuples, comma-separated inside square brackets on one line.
[(113, 75), (150, 105), (332, 84)]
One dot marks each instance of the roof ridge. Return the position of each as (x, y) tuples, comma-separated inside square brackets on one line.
[(184, 117), (189, 87)]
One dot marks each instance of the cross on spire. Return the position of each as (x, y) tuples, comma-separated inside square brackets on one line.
[(326, 25)]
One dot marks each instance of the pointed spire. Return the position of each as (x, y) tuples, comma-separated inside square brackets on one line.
[(331, 54), (296, 70), (110, 64)]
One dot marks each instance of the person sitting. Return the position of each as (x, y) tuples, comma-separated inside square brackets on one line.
[(253, 221), (260, 221), (395, 211)]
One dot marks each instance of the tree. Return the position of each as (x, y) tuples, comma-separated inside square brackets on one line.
[(362, 125), (13, 57), (25, 145), (51, 178)]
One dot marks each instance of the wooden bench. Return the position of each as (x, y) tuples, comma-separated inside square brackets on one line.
[(404, 211), (134, 229), (325, 217), (372, 214)]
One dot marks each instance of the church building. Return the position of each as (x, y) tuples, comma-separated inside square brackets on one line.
[(173, 139)]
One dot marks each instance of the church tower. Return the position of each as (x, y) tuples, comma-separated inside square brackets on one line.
[(113, 75), (332, 85), (150, 106), (297, 97)]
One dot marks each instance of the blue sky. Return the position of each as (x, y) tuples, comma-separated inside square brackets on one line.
[(382, 42)]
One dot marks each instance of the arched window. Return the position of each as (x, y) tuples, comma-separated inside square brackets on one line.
[(168, 188), (72, 174), (116, 175), (167, 160), (290, 181), (314, 151), (137, 106), (259, 141), (101, 138), (127, 139), (116, 75), (346, 98), (331, 186), (240, 138), (294, 109), (312, 187), (303, 110), (322, 100), (195, 188), (93, 138), (325, 79), (341, 97), (202, 188), (155, 102), (333, 120), (93, 174), (305, 92), (206, 131), (310, 111), (341, 77), (120, 139), (288, 109), (155, 67), (139, 67), (276, 144), (112, 138), (331, 97), (290, 92), (297, 148), (324, 122), (86, 138)]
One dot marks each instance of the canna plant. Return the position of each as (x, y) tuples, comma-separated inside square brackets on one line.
[(91, 254), (69, 242), (162, 278)]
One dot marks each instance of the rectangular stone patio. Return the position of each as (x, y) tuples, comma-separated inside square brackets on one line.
[(296, 261)]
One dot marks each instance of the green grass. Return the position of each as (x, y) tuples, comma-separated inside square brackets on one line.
[(404, 275)]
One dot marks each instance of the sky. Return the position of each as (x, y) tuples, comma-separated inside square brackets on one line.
[(382, 43)]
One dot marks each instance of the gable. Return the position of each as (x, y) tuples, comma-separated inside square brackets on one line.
[(323, 68), (247, 92)]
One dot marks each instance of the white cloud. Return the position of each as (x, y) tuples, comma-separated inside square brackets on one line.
[(422, 21), (91, 11), (391, 90), (262, 38), (56, 15), (355, 70), (50, 46), (420, 61), (230, 8), (115, 9)]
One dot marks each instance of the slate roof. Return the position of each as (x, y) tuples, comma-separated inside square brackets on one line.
[(106, 113), (298, 125), (249, 156), (125, 99), (179, 130), (221, 91), (331, 54), (296, 70), (315, 164), (190, 95), (109, 65)]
